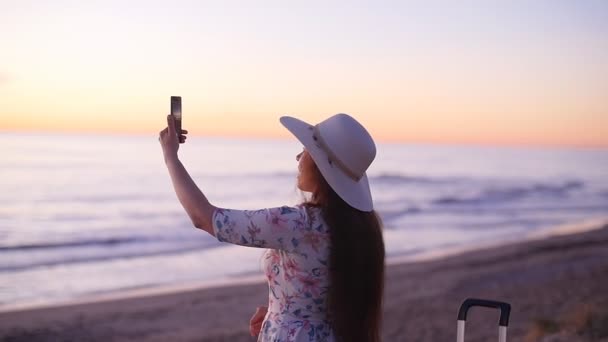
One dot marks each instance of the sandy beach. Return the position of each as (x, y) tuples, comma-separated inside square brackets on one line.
[(556, 286)]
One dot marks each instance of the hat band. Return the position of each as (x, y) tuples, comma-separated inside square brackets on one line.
[(333, 158)]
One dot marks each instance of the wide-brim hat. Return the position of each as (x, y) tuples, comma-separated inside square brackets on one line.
[(343, 150)]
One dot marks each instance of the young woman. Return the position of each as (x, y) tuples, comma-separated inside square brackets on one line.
[(325, 257)]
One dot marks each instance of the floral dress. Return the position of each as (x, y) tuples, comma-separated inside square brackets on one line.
[(295, 264)]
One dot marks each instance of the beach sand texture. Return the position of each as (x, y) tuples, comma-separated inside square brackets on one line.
[(542, 279)]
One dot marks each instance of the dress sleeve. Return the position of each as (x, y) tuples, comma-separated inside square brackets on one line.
[(284, 228)]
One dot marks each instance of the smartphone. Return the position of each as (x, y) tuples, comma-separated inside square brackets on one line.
[(176, 111)]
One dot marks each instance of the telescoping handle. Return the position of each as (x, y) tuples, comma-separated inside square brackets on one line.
[(505, 311)]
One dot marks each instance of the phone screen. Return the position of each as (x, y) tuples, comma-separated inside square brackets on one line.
[(176, 111)]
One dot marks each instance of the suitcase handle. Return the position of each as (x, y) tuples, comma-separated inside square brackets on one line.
[(505, 309)]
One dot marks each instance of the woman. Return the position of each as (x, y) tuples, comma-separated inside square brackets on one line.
[(325, 257)]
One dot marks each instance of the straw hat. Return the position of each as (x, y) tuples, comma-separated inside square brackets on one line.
[(343, 150)]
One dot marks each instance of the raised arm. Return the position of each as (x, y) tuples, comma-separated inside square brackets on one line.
[(190, 196)]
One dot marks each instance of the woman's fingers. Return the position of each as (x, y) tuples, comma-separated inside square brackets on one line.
[(171, 124), (261, 311), (257, 318), (170, 129), (255, 324), (255, 329), (162, 133)]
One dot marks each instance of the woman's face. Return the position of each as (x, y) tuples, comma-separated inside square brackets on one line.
[(306, 180)]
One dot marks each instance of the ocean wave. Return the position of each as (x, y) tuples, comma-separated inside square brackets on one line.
[(495, 195), (248, 175), (63, 260), (25, 256), (397, 254), (98, 198), (71, 244), (382, 177), (395, 178), (389, 215)]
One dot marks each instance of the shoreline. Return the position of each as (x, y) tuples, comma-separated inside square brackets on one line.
[(542, 278), (136, 293), (249, 279), (243, 280), (541, 234)]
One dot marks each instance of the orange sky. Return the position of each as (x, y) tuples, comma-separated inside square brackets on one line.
[(483, 74)]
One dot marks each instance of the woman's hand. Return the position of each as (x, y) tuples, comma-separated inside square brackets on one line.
[(255, 324), (169, 140)]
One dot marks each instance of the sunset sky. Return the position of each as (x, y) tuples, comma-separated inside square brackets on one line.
[(489, 72)]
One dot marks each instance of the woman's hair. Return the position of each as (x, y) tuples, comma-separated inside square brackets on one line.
[(356, 266)]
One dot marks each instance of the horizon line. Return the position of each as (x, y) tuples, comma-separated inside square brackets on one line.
[(288, 137)]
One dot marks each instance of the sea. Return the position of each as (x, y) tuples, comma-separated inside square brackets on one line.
[(85, 216)]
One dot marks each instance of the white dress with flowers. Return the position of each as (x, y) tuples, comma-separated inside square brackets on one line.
[(295, 264)]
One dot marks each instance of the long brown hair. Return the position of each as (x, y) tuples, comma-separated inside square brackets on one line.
[(356, 266)]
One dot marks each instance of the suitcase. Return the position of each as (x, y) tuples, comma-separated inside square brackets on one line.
[(505, 311)]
